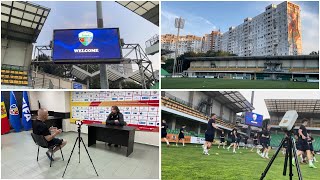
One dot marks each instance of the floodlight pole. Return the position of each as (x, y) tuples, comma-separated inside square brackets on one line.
[(249, 127), (179, 23), (104, 84)]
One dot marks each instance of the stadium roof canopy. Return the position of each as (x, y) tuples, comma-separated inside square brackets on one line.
[(22, 21), (234, 100), (265, 58), (304, 107), (146, 9)]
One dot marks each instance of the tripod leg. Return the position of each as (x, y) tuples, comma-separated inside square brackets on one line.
[(70, 155), (61, 153), (51, 157), (79, 149), (290, 157), (285, 162), (38, 153), (88, 155), (272, 159), (296, 159)]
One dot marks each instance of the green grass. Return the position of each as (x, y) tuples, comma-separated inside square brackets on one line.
[(189, 163), (201, 83)]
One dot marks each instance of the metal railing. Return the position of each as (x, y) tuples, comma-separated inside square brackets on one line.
[(152, 41)]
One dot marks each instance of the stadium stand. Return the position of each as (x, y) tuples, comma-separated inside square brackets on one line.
[(312, 70), (14, 75), (172, 104), (295, 68), (227, 69)]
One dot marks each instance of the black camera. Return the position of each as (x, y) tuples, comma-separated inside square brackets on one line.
[(78, 122)]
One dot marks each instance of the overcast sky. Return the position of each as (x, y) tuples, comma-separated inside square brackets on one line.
[(75, 15), (260, 96), (203, 17)]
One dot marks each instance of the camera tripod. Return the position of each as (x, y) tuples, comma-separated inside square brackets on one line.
[(79, 139), (291, 148)]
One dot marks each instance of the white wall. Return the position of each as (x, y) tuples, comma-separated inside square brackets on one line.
[(216, 107), (183, 95), (58, 101), (16, 53), (198, 97)]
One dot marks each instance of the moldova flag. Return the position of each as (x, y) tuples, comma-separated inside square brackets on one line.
[(26, 113), (5, 126), (14, 116)]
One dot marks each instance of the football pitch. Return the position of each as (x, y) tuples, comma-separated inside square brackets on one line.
[(189, 163), (202, 83)]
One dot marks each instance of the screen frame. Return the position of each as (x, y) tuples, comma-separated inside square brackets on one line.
[(245, 120), (87, 61)]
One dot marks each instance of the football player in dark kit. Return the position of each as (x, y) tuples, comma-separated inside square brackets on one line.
[(238, 140), (265, 141), (209, 134), (310, 141), (222, 140), (115, 118), (245, 142), (303, 141), (234, 137), (181, 135), (164, 128), (255, 142)]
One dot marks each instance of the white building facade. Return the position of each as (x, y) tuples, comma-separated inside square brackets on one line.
[(275, 32)]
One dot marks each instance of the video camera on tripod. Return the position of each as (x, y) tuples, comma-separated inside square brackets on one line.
[(287, 125), (79, 140)]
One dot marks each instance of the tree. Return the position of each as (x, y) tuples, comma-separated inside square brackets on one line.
[(168, 66), (314, 53)]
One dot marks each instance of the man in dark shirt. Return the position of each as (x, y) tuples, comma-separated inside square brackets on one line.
[(303, 142), (233, 136), (209, 134), (222, 140), (181, 135), (115, 118), (40, 128), (255, 142), (164, 128), (265, 138), (245, 142), (238, 140), (310, 141)]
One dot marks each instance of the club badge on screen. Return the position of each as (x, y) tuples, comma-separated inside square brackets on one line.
[(85, 37)]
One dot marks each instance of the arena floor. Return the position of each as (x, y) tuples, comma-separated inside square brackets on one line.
[(201, 83), (189, 163)]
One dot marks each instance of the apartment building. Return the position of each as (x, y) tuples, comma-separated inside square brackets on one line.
[(276, 31), (188, 43)]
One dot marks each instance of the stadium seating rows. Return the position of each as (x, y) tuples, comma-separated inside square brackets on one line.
[(190, 133), (14, 75), (310, 70), (226, 69), (189, 110)]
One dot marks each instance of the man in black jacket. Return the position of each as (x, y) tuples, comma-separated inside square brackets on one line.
[(40, 128), (115, 118)]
